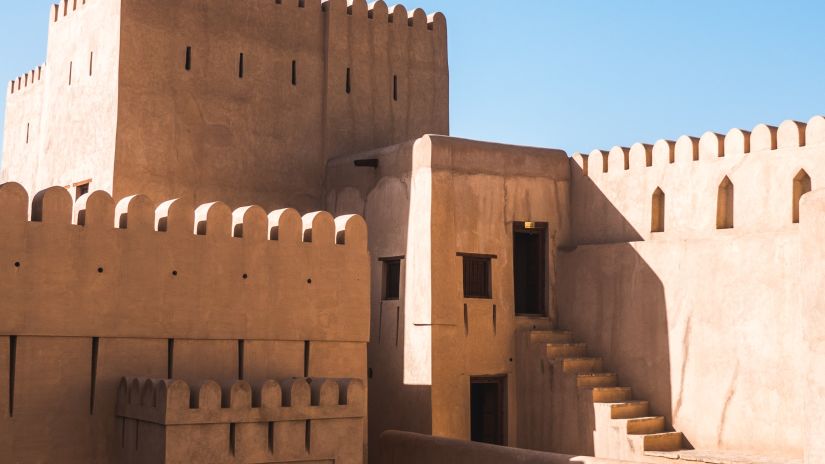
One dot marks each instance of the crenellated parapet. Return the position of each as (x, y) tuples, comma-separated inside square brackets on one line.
[(709, 146), (27, 80), (65, 8), (133, 269), (307, 419), (174, 402), (698, 186)]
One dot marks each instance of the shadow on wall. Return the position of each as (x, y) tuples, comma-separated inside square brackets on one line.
[(613, 301)]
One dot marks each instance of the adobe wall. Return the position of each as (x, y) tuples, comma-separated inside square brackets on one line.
[(707, 324), (428, 201), (207, 133), (98, 291), (70, 104)]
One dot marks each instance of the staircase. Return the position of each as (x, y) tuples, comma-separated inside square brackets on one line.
[(592, 413)]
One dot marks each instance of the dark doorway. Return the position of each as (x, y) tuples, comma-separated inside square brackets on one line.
[(488, 410), (530, 267)]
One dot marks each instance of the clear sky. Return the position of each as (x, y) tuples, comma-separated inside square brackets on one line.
[(583, 74)]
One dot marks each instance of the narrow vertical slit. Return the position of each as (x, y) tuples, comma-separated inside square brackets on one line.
[(232, 439), (306, 358), (188, 65), (12, 370), (294, 72), (308, 435), (397, 323), (28, 127), (95, 351), (349, 80), (71, 64), (91, 62), (240, 359), (495, 315), (137, 434), (380, 321), (466, 321), (240, 67), (170, 358), (270, 437), (123, 432), (395, 88)]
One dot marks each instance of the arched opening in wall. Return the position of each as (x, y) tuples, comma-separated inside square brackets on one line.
[(801, 186), (724, 205), (657, 221)]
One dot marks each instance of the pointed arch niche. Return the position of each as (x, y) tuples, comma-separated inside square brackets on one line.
[(724, 205), (657, 211), (801, 186)]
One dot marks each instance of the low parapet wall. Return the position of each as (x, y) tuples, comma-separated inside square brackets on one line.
[(413, 448), (95, 291)]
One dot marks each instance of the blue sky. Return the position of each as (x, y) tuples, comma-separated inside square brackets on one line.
[(580, 75)]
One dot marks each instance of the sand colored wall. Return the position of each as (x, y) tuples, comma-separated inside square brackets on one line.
[(427, 201), (93, 292), (72, 125), (207, 133), (812, 225), (706, 324)]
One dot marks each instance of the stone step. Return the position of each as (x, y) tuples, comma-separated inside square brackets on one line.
[(593, 380), (612, 394), (664, 441), (629, 409), (579, 365), (566, 350), (645, 425), (551, 336)]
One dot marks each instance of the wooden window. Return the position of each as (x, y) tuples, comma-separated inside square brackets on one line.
[(81, 188), (392, 278), (477, 279)]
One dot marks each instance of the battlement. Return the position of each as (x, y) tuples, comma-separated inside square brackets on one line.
[(27, 80), (736, 143), (65, 8), (176, 271), (174, 402)]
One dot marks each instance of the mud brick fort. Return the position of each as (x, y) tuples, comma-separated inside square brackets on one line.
[(660, 303)]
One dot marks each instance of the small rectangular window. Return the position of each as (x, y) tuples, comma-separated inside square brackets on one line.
[(81, 189), (392, 278), (477, 279)]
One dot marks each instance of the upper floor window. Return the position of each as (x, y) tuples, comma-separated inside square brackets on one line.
[(477, 276), (391, 278)]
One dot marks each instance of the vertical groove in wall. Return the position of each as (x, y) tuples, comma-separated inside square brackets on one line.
[(12, 369), (271, 438), (95, 350), (241, 344), (71, 64), (306, 358), (91, 62), (232, 439), (466, 321), (495, 315), (170, 358), (397, 323), (380, 321), (308, 435)]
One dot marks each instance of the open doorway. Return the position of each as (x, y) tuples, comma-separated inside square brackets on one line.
[(530, 268), (488, 410)]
